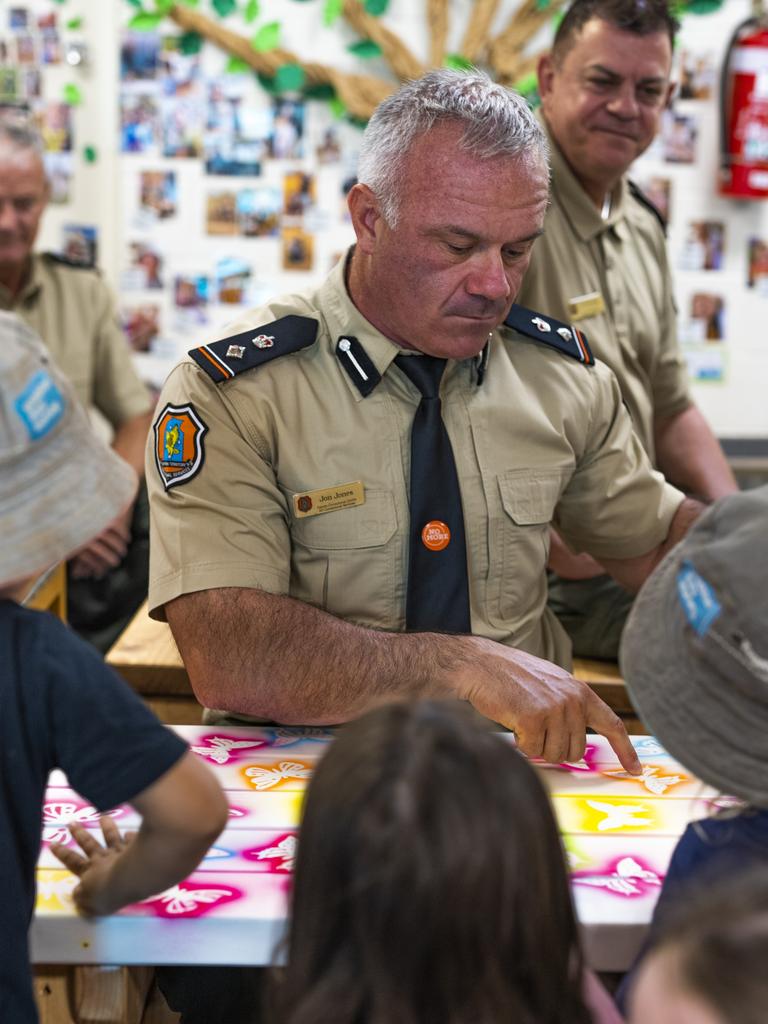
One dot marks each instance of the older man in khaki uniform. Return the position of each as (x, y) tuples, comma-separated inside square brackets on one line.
[(602, 264), (71, 309), (286, 614)]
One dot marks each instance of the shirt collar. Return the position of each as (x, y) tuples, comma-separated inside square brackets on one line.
[(577, 207), (29, 289)]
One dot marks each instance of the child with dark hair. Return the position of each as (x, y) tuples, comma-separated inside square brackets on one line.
[(60, 705), (708, 966), (430, 884)]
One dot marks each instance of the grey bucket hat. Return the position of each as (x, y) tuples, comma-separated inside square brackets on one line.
[(60, 485), (694, 652)]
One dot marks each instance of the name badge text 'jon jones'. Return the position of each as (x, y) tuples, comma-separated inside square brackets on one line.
[(328, 499)]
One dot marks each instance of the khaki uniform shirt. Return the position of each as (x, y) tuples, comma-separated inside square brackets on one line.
[(72, 310), (624, 260), (543, 439)]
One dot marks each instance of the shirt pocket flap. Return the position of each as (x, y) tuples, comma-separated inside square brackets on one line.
[(530, 496), (365, 526)]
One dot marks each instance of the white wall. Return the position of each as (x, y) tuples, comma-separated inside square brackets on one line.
[(106, 193)]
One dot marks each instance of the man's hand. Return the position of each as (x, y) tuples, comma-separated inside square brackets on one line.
[(106, 551), (547, 709), (93, 896)]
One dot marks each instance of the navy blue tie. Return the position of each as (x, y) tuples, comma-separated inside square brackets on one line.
[(438, 591)]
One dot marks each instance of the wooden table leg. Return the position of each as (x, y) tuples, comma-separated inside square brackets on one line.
[(92, 995)]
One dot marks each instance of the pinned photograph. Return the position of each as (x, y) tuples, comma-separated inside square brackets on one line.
[(703, 246), (298, 249), (18, 19), (55, 125), (32, 82), (221, 213), (285, 139), (157, 193), (58, 171), (191, 292), (757, 257), (298, 193), (678, 137), (25, 50), (145, 267), (51, 51), (658, 191), (141, 324), (80, 244), (182, 127), (697, 75), (706, 365), (139, 56), (347, 183), (178, 73), (236, 132), (9, 85), (329, 150), (706, 319), (258, 211), (47, 22), (139, 123), (232, 277)]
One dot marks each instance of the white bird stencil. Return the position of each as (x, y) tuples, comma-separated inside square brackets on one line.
[(626, 880), (219, 748)]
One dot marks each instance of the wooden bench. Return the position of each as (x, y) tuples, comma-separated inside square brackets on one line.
[(147, 657)]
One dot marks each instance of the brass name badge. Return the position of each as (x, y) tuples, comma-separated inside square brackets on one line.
[(582, 306), (329, 499)]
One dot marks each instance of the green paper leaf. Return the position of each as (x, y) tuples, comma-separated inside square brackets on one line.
[(74, 23), (376, 7), (365, 48), (289, 78), (267, 83), (252, 9), (321, 91), (72, 95), (332, 11), (338, 108), (542, 5), (701, 6), (90, 154), (135, 3), (191, 3), (458, 63), (190, 42), (267, 38), (145, 22), (163, 6), (223, 7), (236, 66), (525, 86)]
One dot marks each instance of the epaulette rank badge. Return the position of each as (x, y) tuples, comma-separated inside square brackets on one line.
[(225, 359), (565, 338)]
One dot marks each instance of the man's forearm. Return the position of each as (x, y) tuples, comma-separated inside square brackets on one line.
[(689, 455), (274, 657), (130, 441)]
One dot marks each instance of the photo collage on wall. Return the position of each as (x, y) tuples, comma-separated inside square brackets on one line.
[(31, 42), (254, 176)]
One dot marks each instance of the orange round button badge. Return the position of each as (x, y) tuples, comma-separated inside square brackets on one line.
[(435, 535)]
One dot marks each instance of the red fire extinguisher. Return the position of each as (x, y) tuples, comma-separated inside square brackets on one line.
[(744, 111)]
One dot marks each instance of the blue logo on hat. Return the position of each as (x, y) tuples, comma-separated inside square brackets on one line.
[(697, 599), (40, 405)]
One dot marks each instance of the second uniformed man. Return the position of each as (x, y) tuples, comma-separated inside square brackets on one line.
[(280, 469)]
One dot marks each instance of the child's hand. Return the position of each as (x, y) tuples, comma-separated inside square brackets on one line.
[(92, 896)]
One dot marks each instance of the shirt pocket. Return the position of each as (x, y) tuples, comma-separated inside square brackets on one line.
[(519, 544), (345, 561)]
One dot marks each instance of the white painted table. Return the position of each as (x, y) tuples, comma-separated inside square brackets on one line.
[(618, 831)]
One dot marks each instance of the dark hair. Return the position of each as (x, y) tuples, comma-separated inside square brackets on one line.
[(639, 16), (718, 936), (430, 883)]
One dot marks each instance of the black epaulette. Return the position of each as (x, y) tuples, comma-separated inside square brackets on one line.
[(225, 359), (637, 193), (65, 261), (564, 337)]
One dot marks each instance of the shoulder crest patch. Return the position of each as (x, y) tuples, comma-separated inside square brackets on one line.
[(565, 337), (179, 453), (225, 359)]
